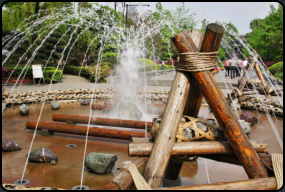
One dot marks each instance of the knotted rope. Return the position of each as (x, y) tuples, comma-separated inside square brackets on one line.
[(277, 163), (197, 61), (139, 181)]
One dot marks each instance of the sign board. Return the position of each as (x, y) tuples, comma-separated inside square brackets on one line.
[(37, 71)]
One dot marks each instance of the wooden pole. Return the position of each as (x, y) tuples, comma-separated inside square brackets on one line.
[(193, 103), (81, 130), (227, 121), (251, 184), (143, 149), (102, 121), (261, 78), (124, 180)]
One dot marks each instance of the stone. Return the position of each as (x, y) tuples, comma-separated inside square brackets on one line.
[(46, 132), (100, 163), (187, 133), (202, 126), (69, 122), (85, 102), (42, 155), (54, 105), (10, 145), (249, 117), (53, 162), (24, 109), (245, 126), (129, 111)]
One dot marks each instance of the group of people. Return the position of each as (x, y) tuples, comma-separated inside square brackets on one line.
[(234, 67)]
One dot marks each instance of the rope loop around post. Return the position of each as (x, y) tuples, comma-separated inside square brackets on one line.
[(197, 61)]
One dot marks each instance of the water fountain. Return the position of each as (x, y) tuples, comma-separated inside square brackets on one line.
[(130, 50)]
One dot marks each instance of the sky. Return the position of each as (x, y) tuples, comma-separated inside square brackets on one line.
[(238, 13)]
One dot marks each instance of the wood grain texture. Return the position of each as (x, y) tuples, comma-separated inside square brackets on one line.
[(195, 148), (124, 180), (261, 78), (251, 184)]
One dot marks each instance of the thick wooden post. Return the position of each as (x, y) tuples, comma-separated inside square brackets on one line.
[(193, 102), (165, 136), (263, 83), (269, 183), (228, 122)]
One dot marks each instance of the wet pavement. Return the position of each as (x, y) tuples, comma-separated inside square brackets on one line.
[(67, 172)]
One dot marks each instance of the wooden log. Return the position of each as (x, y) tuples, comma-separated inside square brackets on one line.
[(102, 121), (194, 99), (81, 130), (228, 122), (268, 183), (195, 148), (261, 78), (124, 180), (160, 154), (248, 72)]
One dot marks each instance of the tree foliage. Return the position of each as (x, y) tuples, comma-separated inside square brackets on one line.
[(267, 34)]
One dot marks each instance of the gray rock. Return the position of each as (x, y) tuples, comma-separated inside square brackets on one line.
[(42, 155), (187, 132), (24, 109), (10, 145), (202, 126), (54, 105), (245, 126), (53, 162), (85, 102), (100, 163), (129, 111)]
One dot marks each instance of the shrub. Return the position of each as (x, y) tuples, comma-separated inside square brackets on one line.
[(49, 73), (18, 71), (166, 67), (277, 70), (149, 64)]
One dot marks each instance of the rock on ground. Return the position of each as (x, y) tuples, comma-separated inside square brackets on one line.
[(54, 105), (249, 117), (129, 111), (100, 163), (24, 109), (42, 155), (10, 145)]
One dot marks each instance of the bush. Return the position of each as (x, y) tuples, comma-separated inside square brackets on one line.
[(166, 67), (49, 73), (149, 64), (90, 72), (277, 70), (17, 71)]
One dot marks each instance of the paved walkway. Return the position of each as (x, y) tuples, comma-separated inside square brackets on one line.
[(75, 82)]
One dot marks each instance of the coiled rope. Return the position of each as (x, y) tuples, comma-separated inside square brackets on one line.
[(197, 61)]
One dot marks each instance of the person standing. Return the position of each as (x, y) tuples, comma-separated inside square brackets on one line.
[(239, 67), (162, 65), (233, 68), (244, 64), (227, 67)]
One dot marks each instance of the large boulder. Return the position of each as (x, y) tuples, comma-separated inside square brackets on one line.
[(249, 117), (129, 111), (10, 145), (24, 109), (42, 155), (54, 105), (100, 163)]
